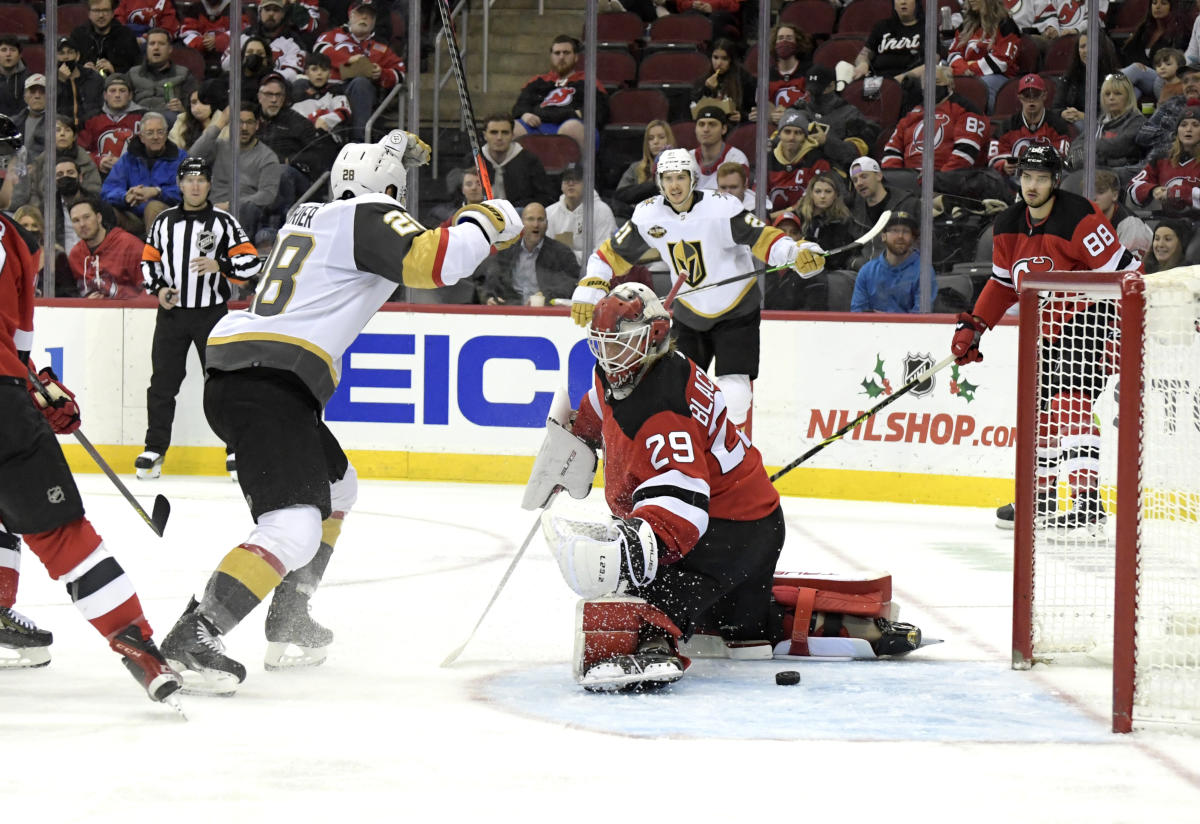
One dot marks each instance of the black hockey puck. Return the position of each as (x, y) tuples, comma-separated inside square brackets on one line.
[(787, 678)]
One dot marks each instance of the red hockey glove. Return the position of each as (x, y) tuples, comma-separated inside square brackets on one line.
[(61, 412), (965, 345)]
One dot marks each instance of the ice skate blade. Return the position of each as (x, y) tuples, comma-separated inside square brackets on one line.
[(174, 703), (24, 657), (204, 682), (149, 474), (284, 656)]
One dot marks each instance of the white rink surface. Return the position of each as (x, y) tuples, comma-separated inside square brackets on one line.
[(381, 733)]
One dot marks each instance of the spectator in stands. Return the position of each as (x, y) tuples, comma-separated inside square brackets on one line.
[(732, 180), (206, 29), (516, 175), (1116, 144), (638, 182), (257, 63), (66, 179), (792, 50), (534, 271), (139, 16), (1071, 95), (107, 263), (301, 148), (32, 119), (711, 150), (565, 216), (365, 64), (895, 48), (284, 43), (958, 153), (891, 282), (13, 72), (1166, 25), (210, 98), (466, 187), (727, 81), (825, 218), (855, 134), (104, 44), (29, 188), (1157, 133), (320, 99), (552, 103), (259, 168), (1062, 17), (1170, 183), (80, 89), (783, 290), (1033, 124), (1132, 231), (1168, 251), (158, 84), (872, 199), (30, 218), (105, 134), (986, 45), (805, 149), (143, 181), (1168, 63)]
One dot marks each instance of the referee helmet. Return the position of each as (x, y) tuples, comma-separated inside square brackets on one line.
[(195, 166)]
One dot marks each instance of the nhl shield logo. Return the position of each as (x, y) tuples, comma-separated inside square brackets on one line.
[(915, 365), (206, 243), (55, 495)]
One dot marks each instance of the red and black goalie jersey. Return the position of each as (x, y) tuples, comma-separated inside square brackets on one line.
[(671, 458)]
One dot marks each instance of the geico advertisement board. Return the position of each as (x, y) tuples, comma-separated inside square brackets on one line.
[(482, 383)]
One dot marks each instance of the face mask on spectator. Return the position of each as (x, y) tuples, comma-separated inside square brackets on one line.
[(70, 64), (67, 186), (785, 50), (253, 63)]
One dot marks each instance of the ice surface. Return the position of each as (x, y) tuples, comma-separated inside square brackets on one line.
[(381, 733)]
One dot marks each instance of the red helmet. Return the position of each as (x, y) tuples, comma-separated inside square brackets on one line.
[(629, 329)]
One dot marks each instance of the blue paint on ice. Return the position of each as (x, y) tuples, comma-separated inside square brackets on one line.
[(909, 700)]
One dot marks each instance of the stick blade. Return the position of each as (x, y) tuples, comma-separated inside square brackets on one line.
[(160, 513), (452, 657)]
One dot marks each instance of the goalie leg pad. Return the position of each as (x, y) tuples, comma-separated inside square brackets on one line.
[(563, 462), (825, 606), (625, 643)]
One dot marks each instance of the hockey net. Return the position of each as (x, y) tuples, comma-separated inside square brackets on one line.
[(1108, 411)]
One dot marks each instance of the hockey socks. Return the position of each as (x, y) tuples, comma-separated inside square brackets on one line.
[(241, 581), (10, 567)]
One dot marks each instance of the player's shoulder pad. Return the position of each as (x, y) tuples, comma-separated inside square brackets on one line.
[(663, 389), (1069, 211), (718, 200), (1011, 220)]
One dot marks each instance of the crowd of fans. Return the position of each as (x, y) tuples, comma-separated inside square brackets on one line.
[(144, 84)]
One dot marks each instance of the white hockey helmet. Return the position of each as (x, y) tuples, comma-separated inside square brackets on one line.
[(368, 168), (629, 329), (676, 160)]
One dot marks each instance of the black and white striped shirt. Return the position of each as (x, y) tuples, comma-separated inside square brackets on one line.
[(178, 236)]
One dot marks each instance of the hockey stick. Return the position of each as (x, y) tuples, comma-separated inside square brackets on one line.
[(464, 96), (453, 656), (862, 240), (162, 507), (920, 378)]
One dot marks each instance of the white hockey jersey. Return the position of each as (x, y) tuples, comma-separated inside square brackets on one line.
[(333, 265), (715, 239)]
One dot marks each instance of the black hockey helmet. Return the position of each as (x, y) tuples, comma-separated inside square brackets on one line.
[(10, 135), (1041, 157), (195, 166)]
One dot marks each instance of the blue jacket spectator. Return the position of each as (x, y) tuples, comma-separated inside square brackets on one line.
[(143, 180), (892, 281)]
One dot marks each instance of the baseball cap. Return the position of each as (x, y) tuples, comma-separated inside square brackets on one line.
[(1191, 68), (864, 164), (276, 3), (903, 219), (117, 79), (1031, 81), (573, 171), (796, 118), (715, 112), (818, 79), (365, 5), (784, 217), (35, 80), (65, 43)]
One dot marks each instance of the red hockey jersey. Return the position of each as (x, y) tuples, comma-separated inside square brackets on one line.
[(1181, 180), (148, 14), (1015, 136), (18, 279), (962, 134), (786, 182), (102, 134), (672, 459), (339, 45), (787, 90), (977, 54)]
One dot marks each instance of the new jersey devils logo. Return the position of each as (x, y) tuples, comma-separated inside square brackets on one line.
[(1069, 11), (788, 96), (1024, 266), (561, 96), (941, 120)]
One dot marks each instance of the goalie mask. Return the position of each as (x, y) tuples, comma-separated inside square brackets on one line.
[(676, 160), (369, 168), (629, 330)]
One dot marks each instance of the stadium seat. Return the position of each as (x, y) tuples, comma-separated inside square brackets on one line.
[(750, 61), (973, 89), (745, 137), (673, 72), (554, 150), (841, 290), (399, 41), (860, 16), (685, 134), (1028, 55), (189, 58), (884, 109), (817, 17), (615, 69), (1127, 16), (622, 30), (1059, 55), (831, 52), (19, 21), (71, 15), (689, 32), (953, 294), (636, 107), (33, 55)]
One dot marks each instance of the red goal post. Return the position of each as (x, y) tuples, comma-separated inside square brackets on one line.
[(1123, 350)]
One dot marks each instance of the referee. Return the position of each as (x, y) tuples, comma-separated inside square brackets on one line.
[(193, 252)]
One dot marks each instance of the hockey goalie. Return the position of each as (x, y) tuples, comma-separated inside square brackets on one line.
[(697, 528)]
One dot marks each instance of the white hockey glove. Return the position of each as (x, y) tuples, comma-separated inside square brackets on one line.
[(595, 558), (808, 259), (585, 297), (497, 219), (413, 151)]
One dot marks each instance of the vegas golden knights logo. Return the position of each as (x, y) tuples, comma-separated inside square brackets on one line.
[(688, 261)]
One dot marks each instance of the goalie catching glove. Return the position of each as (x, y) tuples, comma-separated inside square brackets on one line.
[(497, 219), (965, 345), (596, 558), (585, 297), (61, 411)]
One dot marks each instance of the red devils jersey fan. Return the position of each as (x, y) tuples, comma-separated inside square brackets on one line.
[(38, 497), (1174, 179), (550, 100), (1053, 230), (962, 134), (698, 524), (1032, 125)]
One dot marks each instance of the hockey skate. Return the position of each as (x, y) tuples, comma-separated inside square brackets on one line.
[(147, 665), (148, 465), (652, 667), (193, 647), (896, 637), (231, 466), (294, 639), (1085, 518), (22, 644), (1047, 504)]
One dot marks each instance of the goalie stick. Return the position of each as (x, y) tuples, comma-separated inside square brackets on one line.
[(464, 96), (162, 507), (918, 379)]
